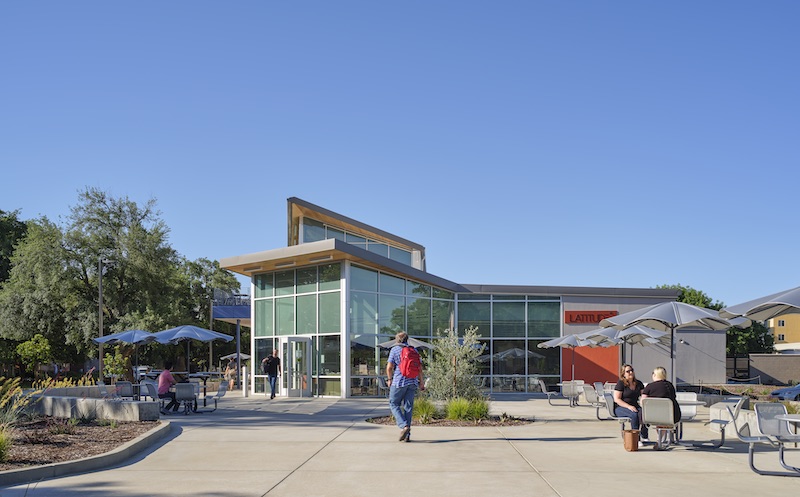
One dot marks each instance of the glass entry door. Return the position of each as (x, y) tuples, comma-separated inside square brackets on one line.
[(296, 365)]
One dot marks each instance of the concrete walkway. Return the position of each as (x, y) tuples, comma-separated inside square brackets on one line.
[(323, 447)]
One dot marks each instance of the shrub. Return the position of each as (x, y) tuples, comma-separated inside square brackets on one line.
[(13, 400), (454, 366), (467, 409), (425, 410), (5, 443)]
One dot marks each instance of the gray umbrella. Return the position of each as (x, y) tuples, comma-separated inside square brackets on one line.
[(669, 316), (567, 342), (635, 335), (411, 341), (777, 304), (189, 332), (129, 336)]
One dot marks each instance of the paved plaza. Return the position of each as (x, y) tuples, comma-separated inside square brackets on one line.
[(252, 446)]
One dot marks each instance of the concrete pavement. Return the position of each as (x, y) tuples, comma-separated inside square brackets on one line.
[(323, 447)]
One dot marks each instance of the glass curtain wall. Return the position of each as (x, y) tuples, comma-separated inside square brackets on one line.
[(314, 231), (303, 301), (512, 327), (381, 305)]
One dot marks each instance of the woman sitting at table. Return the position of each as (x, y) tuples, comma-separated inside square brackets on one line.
[(662, 388), (626, 399), (165, 382)]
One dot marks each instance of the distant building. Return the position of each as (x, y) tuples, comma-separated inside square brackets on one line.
[(786, 332), (341, 287)]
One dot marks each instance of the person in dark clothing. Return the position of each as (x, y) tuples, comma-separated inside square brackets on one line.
[(626, 399), (271, 366), (662, 388)]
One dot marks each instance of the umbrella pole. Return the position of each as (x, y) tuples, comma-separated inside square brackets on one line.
[(573, 364), (672, 355)]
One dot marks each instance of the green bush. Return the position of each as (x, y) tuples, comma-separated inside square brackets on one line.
[(424, 410), (5, 443), (467, 409)]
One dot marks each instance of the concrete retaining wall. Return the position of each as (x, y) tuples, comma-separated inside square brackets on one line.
[(88, 407)]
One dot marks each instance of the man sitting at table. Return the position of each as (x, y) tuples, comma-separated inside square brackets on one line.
[(165, 382)]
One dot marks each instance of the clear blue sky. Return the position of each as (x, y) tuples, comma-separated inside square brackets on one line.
[(619, 144)]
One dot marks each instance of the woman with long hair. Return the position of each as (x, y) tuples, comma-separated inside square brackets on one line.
[(626, 399)]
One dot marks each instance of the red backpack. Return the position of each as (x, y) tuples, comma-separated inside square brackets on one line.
[(410, 362)]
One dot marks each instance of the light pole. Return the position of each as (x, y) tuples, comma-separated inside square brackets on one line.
[(100, 264)]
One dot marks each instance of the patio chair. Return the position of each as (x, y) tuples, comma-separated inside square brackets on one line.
[(598, 387), (108, 392), (590, 394), (609, 398), (743, 433), (571, 390), (383, 387), (125, 389), (221, 391), (737, 402), (185, 396), (144, 391), (777, 429), (550, 395), (659, 414), (688, 412)]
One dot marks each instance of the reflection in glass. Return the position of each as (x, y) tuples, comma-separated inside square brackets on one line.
[(363, 312), (363, 279), (330, 276), (391, 316), (330, 316), (284, 283), (544, 319), (307, 280), (263, 285), (284, 310), (264, 318), (306, 314), (477, 314), (509, 319), (419, 316)]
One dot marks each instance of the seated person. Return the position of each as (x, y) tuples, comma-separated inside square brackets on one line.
[(662, 388), (165, 382), (626, 399)]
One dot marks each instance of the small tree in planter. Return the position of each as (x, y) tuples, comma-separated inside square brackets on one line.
[(453, 366)]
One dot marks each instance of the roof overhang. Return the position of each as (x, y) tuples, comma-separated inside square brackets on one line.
[(327, 251)]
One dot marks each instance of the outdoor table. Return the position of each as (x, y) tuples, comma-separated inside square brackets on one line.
[(204, 375), (687, 402), (792, 418)]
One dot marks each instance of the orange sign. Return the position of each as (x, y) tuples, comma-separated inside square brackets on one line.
[(587, 317)]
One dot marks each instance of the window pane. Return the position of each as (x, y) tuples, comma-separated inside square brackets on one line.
[(363, 279), (358, 241), (363, 312), (419, 316), (509, 319), (365, 355), (443, 294), (508, 357), (544, 319), (330, 276), (264, 318), (263, 284), (442, 315), (549, 361), (313, 230), (284, 283), (330, 316), (330, 386), (284, 310), (508, 297), (330, 355), (378, 248), (392, 284), (400, 255), (335, 233), (306, 314), (307, 280), (476, 314), (417, 289), (392, 314), (474, 296)]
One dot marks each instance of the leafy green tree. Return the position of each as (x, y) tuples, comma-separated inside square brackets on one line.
[(694, 297), (11, 231), (754, 339), (454, 365), (53, 283), (34, 352)]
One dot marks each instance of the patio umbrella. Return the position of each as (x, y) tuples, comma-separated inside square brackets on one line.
[(635, 335), (777, 304), (129, 336), (567, 341), (669, 316), (411, 341), (189, 332), (233, 356)]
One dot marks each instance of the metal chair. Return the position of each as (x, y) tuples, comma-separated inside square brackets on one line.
[(659, 413), (744, 435), (185, 396), (383, 387), (223, 388), (590, 394), (776, 429), (125, 389), (609, 398)]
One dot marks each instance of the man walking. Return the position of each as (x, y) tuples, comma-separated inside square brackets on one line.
[(271, 365), (404, 371)]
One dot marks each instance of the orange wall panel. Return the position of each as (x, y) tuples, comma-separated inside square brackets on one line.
[(591, 364)]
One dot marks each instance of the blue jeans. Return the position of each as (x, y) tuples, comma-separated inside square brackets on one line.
[(401, 402), (272, 380), (635, 417)]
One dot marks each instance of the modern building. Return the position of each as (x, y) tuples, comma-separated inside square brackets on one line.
[(341, 287), (786, 332)]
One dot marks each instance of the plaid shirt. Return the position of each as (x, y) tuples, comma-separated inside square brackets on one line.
[(398, 380)]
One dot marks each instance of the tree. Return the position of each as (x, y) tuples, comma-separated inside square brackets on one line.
[(751, 340), (755, 339), (454, 365), (694, 297), (11, 231), (34, 352), (53, 282)]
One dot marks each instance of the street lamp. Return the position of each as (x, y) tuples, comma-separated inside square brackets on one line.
[(100, 264)]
